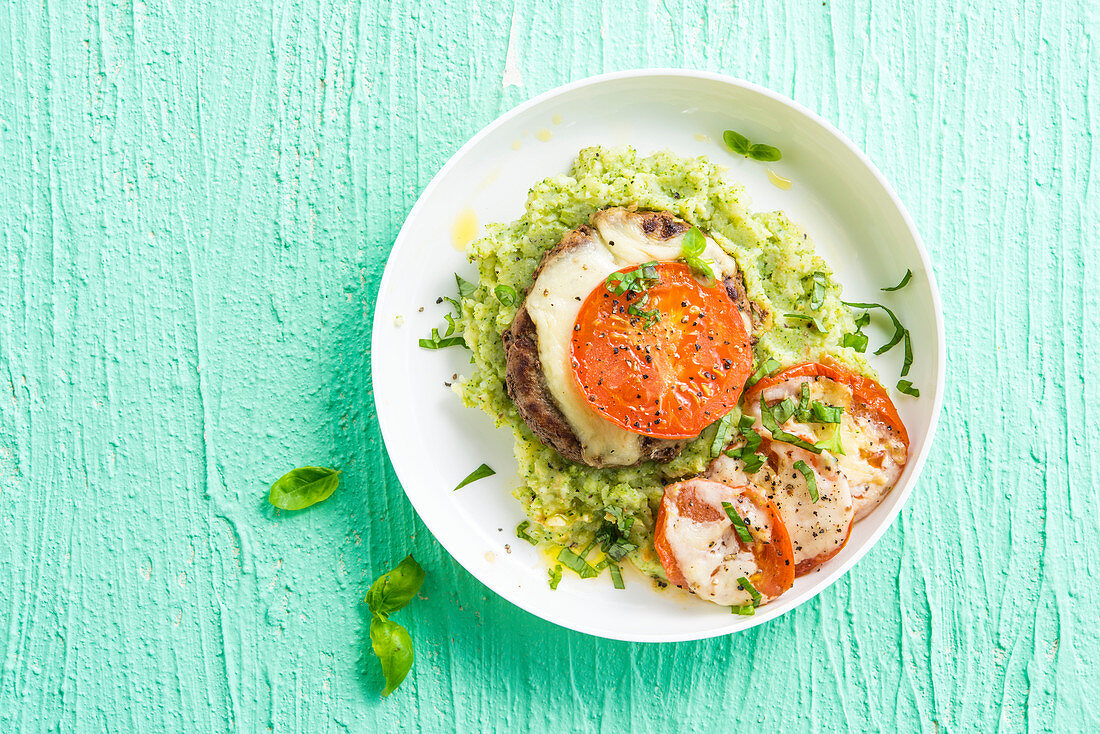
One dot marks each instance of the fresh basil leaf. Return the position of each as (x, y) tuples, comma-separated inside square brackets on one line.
[(762, 152), (693, 243), (299, 488), (393, 646), (803, 411), (904, 281), (702, 267), (783, 410), (831, 444), (738, 523), (823, 413), (907, 361), (616, 576), (819, 281), (857, 341), (736, 142), (743, 582), (723, 434), (810, 477), (392, 591), (577, 564), (521, 532), (906, 387), (465, 287), (506, 294), (555, 576), (812, 320), (745, 610), (769, 366), (769, 420), (480, 473), (752, 463), (623, 522)]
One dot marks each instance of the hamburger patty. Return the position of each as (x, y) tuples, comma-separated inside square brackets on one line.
[(525, 380)]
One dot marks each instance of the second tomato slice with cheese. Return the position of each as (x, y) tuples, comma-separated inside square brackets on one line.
[(702, 551)]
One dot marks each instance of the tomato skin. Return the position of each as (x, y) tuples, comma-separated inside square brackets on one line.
[(774, 558), (669, 378), (868, 396)]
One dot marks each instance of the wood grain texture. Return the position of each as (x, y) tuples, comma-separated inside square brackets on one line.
[(197, 203)]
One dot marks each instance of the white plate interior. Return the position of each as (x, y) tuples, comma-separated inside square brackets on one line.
[(837, 196)]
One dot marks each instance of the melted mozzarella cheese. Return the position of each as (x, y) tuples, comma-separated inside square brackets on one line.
[(554, 301), (707, 553)]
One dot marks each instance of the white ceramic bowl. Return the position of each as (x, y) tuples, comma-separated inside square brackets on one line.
[(838, 196)]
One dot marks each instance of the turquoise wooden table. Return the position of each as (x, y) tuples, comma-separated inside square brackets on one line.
[(196, 206)]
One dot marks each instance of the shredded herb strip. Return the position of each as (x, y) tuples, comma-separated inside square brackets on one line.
[(832, 444), (900, 334), (438, 342), (812, 320), (756, 597), (771, 421), (722, 435), (906, 387), (577, 564), (753, 462), (480, 473), (616, 576), (614, 533), (521, 532), (638, 280), (811, 478), (904, 281), (506, 294), (769, 366), (555, 576), (465, 288), (691, 249), (738, 523), (745, 610), (818, 284)]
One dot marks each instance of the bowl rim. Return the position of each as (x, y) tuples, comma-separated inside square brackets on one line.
[(835, 574)]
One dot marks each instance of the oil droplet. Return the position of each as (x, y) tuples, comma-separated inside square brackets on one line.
[(464, 229), (778, 181), (493, 174), (556, 119), (516, 144), (702, 138), (544, 135)]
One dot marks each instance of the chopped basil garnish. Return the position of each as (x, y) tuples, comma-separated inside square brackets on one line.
[(823, 413), (722, 435), (783, 410), (744, 584), (438, 342), (907, 361), (769, 366), (691, 249), (907, 387), (555, 576), (831, 444), (465, 287), (480, 473), (506, 294), (904, 281), (738, 143), (804, 402), (770, 422), (811, 478), (577, 564), (812, 320), (817, 290), (745, 610), (389, 640), (637, 280), (299, 488), (521, 532), (616, 576), (753, 462), (738, 523), (857, 340), (900, 332), (613, 534)]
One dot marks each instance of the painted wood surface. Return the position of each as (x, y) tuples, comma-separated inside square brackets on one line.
[(196, 205)]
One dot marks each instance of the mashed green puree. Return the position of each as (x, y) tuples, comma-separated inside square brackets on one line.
[(566, 502)]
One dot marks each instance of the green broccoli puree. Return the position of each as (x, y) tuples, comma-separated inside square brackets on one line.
[(567, 503)]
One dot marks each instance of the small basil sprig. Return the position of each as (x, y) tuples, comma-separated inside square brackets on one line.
[(738, 143), (691, 249), (389, 640), (299, 488)]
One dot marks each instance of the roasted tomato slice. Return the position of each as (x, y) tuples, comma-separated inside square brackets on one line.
[(703, 552), (871, 435), (666, 362)]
